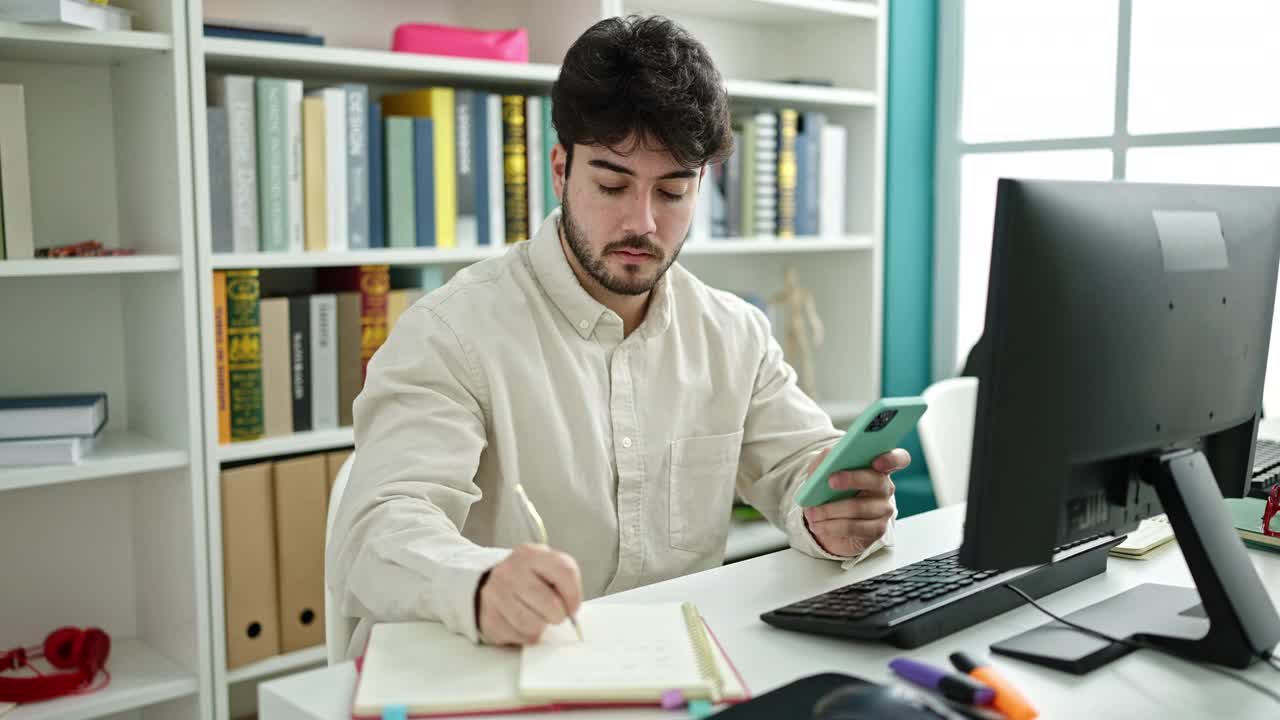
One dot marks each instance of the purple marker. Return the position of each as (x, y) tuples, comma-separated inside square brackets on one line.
[(956, 687)]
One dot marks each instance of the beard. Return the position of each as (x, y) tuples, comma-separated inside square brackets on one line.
[(634, 279)]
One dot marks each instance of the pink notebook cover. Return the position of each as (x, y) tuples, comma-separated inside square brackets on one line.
[(428, 39), (553, 707)]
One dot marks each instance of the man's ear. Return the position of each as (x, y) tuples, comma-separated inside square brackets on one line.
[(559, 166)]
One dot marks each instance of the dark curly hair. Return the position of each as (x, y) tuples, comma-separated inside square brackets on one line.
[(647, 79)]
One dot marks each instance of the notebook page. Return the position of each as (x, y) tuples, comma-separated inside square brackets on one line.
[(629, 653), (428, 669)]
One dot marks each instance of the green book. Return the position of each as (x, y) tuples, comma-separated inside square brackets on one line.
[(1246, 516), (401, 230), (273, 156), (549, 139), (244, 354)]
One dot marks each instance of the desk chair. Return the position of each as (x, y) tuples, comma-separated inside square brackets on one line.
[(336, 628), (946, 436)]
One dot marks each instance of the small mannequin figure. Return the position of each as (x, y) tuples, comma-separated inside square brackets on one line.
[(800, 308)]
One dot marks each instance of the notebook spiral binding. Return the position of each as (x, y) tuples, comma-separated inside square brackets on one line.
[(706, 658)]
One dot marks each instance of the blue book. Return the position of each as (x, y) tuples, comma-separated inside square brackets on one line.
[(261, 35), (377, 198), (424, 182), (26, 417), (480, 149)]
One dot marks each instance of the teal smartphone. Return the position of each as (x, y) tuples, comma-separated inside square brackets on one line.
[(879, 429)]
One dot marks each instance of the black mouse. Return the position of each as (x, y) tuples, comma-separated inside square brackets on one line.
[(873, 702)]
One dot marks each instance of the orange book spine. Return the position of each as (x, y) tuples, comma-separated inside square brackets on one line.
[(375, 285), (220, 355)]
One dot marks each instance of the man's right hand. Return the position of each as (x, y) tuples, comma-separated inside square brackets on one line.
[(533, 588)]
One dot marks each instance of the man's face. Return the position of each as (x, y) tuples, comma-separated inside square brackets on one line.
[(624, 218)]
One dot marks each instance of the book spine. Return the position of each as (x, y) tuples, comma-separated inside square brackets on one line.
[(293, 142), (401, 230), (375, 284), (335, 156), (733, 188), (426, 224), (300, 361), (219, 180), (377, 178), (549, 141), (220, 356), (809, 172), (748, 221), (244, 355), (15, 175), (465, 149), (515, 178), (313, 182), (237, 94), (788, 121), (273, 201), (277, 394), (357, 165), (324, 361), (766, 180), (480, 166), (831, 185), (443, 154), (534, 159), (495, 168)]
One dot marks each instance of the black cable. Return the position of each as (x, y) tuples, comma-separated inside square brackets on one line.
[(1145, 646)]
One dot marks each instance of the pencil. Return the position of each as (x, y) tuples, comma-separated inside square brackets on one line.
[(542, 538)]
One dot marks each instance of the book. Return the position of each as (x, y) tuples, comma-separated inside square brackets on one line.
[(236, 33), (314, 184), (77, 13), (293, 163), (357, 165), (549, 140), (29, 417), (219, 180), (630, 656), (220, 355), (788, 123), (495, 186), (45, 451), (273, 164), (371, 283), (534, 160), (426, 210), (300, 361), (335, 167), (324, 361), (398, 154), (1246, 516), (377, 178), (244, 354), (808, 172), (277, 376), (831, 180), (1152, 533), (236, 94), (466, 154), (514, 177), (15, 176)]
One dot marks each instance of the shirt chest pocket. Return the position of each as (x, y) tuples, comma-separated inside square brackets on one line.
[(703, 472)]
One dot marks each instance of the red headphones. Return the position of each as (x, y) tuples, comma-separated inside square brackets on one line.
[(83, 652)]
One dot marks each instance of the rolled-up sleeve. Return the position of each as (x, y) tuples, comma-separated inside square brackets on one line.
[(784, 431), (396, 551)]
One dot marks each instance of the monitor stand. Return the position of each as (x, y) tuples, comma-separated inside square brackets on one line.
[(1226, 619)]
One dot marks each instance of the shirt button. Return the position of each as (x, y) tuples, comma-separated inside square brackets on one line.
[(626, 442), (583, 324)]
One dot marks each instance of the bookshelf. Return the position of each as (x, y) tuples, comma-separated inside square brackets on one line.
[(118, 541)]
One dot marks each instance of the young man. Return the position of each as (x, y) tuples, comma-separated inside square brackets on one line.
[(627, 398)]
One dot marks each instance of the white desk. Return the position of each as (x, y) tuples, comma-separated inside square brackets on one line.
[(732, 597)]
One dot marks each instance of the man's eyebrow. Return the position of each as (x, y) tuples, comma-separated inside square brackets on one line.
[(614, 167)]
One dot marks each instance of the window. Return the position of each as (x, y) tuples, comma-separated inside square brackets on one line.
[(1147, 90)]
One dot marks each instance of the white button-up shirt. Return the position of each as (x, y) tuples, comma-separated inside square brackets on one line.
[(630, 447)]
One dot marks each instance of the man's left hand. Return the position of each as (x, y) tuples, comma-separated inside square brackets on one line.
[(847, 527)]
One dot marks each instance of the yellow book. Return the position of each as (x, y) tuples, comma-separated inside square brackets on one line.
[(436, 103), (314, 179)]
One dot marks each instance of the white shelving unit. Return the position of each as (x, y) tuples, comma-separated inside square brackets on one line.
[(117, 541), (761, 46)]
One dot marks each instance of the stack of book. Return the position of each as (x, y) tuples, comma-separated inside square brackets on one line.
[(335, 169), (49, 429), (295, 363)]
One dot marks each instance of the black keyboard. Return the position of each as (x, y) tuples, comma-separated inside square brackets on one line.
[(1266, 467), (926, 600)]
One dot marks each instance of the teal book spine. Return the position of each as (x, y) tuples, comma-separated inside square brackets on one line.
[(400, 219), (273, 200), (550, 201)]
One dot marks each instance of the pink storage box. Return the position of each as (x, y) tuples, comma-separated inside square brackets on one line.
[(428, 39)]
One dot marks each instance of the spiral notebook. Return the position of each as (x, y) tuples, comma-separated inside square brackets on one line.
[(630, 655)]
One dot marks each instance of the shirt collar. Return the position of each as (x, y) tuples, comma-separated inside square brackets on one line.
[(553, 272)]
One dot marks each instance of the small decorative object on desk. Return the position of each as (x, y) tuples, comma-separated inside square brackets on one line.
[(78, 13), (429, 39), (89, 248), (799, 341)]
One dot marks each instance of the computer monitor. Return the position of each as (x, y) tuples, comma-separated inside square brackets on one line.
[(1126, 342)]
